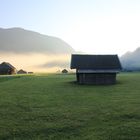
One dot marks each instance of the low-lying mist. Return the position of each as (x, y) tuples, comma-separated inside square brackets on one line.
[(37, 62)]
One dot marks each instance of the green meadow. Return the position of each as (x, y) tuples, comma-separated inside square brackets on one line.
[(54, 107)]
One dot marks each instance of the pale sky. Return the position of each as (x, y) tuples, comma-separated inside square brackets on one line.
[(91, 26)]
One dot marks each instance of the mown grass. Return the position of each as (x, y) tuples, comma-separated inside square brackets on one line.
[(54, 107)]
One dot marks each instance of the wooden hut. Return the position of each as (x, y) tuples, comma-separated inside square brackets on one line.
[(21, 71), (96, 69), (64, 71), (7, 68)]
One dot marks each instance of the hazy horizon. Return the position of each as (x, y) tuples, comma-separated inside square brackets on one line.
[(32, 51), (36, 62)]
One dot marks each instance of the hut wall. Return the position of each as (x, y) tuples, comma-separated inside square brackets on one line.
[(96, 78), (6, 71)]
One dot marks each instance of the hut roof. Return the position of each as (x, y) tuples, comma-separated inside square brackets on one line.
[(21, 71), (64, 71), (6, 65), (95, 62)]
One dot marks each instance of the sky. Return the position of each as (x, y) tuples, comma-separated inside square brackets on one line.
[(90, 26)]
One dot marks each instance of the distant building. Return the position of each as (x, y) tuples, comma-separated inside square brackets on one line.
[(22, 72), (7, 68), (64, 71), (30, 72), (96, 69)]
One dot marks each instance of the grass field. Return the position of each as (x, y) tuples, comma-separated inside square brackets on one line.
[(53, 107)]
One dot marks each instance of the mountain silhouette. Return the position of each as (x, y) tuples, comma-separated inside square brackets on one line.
[(18, 40), (131, 60)]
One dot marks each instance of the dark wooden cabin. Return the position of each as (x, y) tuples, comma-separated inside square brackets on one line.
[(7, 68), (21, 71), (64, 71), (96, 69)]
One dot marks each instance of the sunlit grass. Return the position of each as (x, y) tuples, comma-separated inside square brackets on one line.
[(53, 106)]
